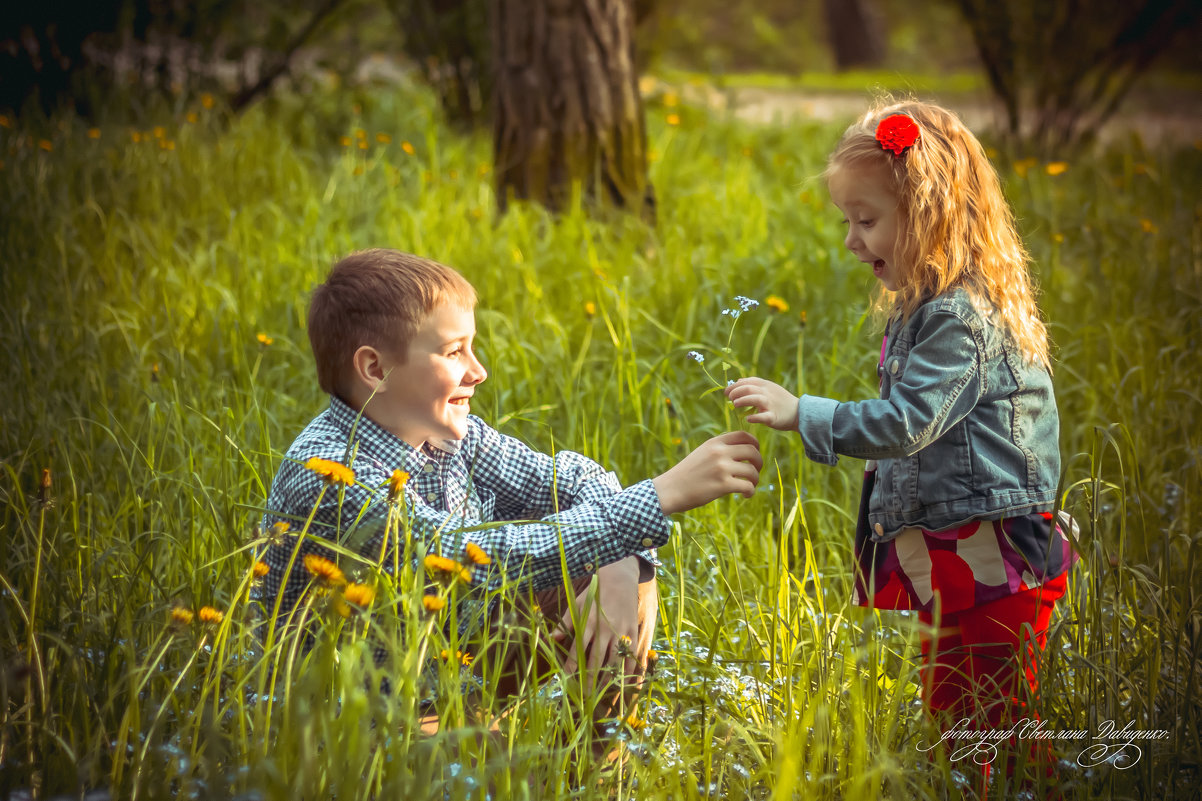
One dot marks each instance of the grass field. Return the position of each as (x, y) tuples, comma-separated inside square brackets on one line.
[(155, 284)]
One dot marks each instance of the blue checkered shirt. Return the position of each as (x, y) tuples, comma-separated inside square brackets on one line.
[(453, 486)]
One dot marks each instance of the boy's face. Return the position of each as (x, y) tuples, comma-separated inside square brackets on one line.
[(427, 397), (870, 209)]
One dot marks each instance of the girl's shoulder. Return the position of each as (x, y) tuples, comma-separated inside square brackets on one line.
[(977, 313)]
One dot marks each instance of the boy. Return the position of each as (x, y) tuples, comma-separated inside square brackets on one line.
[(392, 338)]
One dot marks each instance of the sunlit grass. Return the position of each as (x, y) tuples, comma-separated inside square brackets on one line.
[(157, 365)]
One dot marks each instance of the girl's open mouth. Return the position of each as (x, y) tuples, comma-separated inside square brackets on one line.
[(878, 267), (459, 401)]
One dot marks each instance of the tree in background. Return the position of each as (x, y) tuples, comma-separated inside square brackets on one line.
[(855, 33), (448, 40), (1062, 69), (567, 109)]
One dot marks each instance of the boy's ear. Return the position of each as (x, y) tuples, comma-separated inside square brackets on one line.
[(368, 367)]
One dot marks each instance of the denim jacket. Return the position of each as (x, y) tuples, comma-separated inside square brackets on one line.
[(965, 427)]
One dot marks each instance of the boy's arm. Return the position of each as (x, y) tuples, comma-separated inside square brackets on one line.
[(528, 484), (584, 537)]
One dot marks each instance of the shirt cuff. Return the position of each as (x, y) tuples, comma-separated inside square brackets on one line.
[(815, 423)]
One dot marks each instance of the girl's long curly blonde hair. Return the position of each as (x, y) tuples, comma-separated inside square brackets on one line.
[(956, 228)]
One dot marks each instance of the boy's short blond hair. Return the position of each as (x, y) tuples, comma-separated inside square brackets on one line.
[(378, 298)]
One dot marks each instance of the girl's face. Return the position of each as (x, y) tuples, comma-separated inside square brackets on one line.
[(869, 207)]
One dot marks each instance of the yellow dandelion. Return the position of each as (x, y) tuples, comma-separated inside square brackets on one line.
[(93, 133), (1023, 165), (483, 170), (135, 137), (45, 144), (1148, 226), (673, 119), (441, 564), (1057, 237), (275, 535), (776, 303), (1056, 167), (634, 721), (181, 616), (5, 122), (159, 132), (324, 570), (477, 554), (462, 657), (192, 117), (363, 144), (396, 485), (359, 594), (590, 308), (332, 472), (357, 171), (671, 99), (264, 339), (206, 100), (208, 614), (408, 148), (345, 141), (991, 153), (261, 569), (167, 144), (465, 575), (802, 317), (383, 138), (1141, 169), (433, 603), (339, 605), (154, 372)]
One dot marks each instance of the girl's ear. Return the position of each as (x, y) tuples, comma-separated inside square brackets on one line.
[(368, 367)]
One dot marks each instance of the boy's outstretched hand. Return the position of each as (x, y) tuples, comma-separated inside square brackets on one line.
[(719, 466), (775, 406)]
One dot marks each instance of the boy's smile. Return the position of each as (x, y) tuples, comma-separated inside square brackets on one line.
[(862, 194), (428, 397)]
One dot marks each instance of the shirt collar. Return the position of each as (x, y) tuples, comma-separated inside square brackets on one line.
[(378, 438)]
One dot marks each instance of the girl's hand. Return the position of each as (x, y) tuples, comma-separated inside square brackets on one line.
[(775, 406)]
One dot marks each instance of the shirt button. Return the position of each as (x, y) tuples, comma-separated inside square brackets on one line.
[(429, 468), (893, 365), (879, 529), (647, 542), (431, 497), (588, 566)]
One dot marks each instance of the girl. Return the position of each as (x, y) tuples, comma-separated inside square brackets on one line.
[(956, 512)]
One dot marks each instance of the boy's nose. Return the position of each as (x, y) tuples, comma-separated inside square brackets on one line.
[(476, 373)]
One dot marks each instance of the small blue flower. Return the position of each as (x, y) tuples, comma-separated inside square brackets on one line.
[(695, 356), (745, 303), (729, 382)]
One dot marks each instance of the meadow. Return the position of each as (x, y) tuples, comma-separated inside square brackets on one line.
[(155, 283)]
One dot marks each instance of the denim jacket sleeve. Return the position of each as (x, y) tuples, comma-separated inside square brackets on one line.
[(940, 384)]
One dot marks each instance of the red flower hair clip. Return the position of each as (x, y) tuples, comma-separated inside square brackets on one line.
[(897, 132)]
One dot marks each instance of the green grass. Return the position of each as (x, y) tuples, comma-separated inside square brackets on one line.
[(137, 279)]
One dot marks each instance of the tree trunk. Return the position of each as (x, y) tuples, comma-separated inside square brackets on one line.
[(567, 111), (855, 33)]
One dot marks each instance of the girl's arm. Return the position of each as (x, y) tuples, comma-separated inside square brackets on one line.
[(938, 385)]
